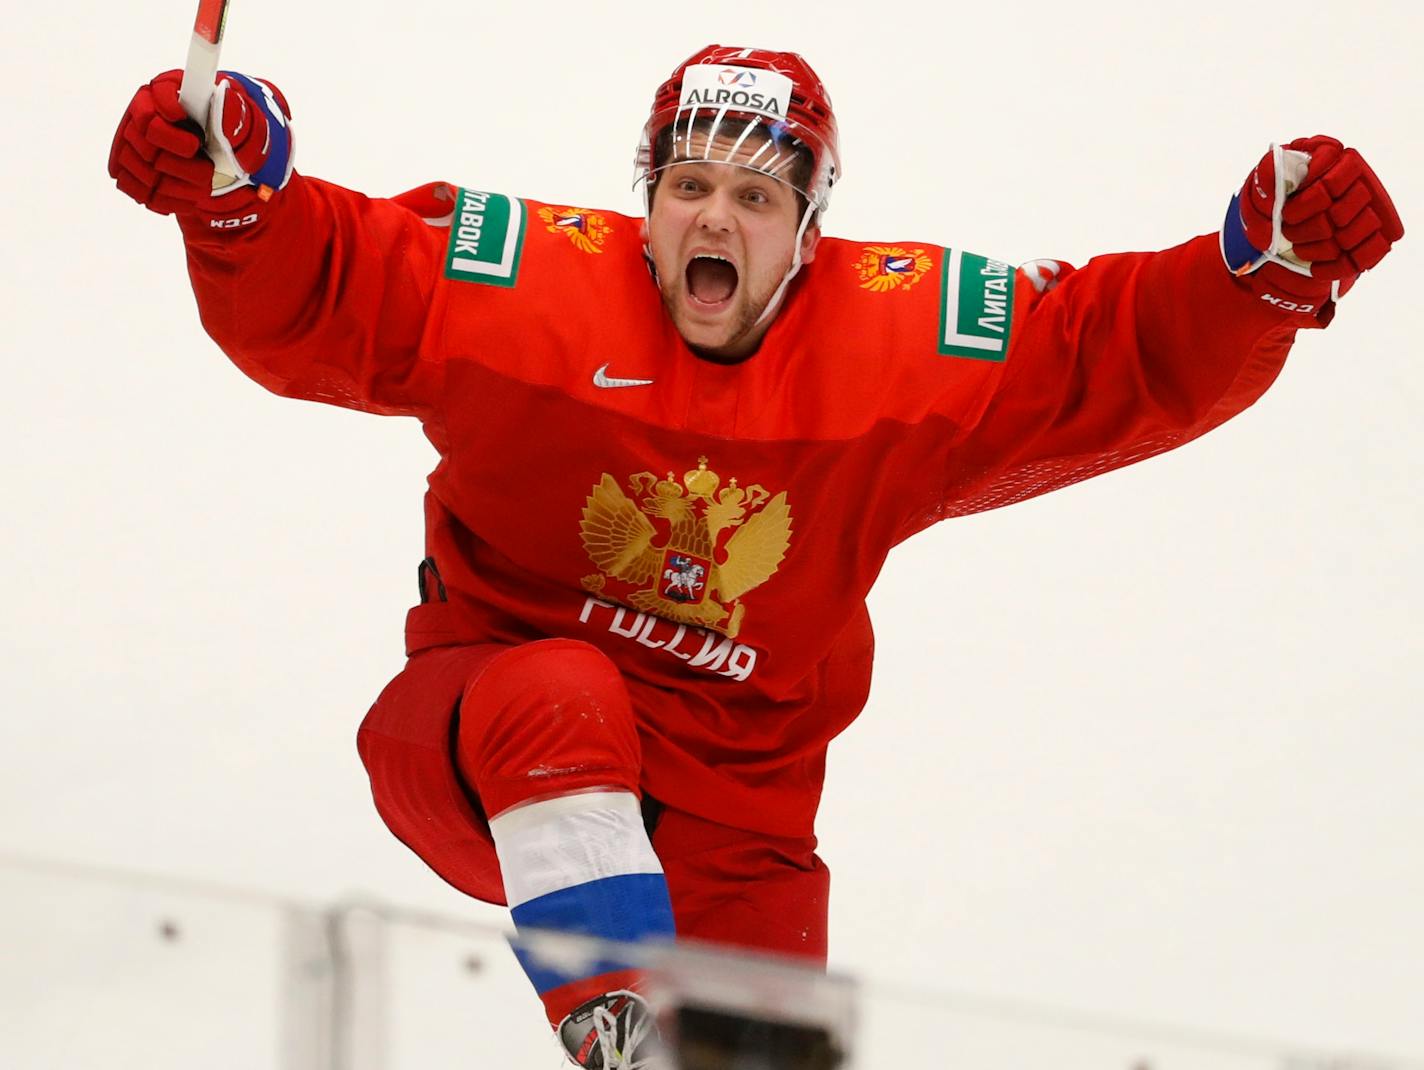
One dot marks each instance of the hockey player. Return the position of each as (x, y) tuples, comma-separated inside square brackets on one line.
[(661, 501)]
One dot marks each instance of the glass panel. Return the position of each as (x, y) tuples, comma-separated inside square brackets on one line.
[(113, 971)]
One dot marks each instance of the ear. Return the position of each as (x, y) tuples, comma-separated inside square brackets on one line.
[(809, 241)]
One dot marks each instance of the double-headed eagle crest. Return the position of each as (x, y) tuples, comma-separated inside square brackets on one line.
[(889, 267), (586, 230), (670, 542)]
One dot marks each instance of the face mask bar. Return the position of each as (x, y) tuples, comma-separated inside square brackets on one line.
[(769, 146), (776, 149)]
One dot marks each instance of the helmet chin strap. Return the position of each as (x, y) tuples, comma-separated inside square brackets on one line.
[(648, 227), (775, 302)]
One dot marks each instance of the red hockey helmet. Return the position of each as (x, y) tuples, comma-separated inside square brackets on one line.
[(749, 106)]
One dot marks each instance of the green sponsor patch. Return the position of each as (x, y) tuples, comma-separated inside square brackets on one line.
[(486, 239), (976, 306)]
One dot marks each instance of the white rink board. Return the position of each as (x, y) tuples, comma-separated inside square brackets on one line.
[(986, 1041), (430, 991), (88, 979), (424, 997), (113, 973)]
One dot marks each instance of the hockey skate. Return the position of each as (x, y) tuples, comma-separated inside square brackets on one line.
[(699, 1007), (615, 1031)]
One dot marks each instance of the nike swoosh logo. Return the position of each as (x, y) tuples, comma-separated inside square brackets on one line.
[(603, 379)]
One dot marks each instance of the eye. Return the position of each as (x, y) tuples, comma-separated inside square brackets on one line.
[(757, 196), (687, 184)]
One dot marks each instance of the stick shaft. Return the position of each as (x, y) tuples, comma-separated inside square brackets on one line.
[(202, 66)]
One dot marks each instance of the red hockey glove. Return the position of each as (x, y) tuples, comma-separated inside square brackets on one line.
[(1310, 218), (158, 156)]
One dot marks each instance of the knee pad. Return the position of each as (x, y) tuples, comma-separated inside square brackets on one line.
[(545, 719)]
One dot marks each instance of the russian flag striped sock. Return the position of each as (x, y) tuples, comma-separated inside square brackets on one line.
[(582, 863)]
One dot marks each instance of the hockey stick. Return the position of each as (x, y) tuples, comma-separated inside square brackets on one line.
[(196, 91)]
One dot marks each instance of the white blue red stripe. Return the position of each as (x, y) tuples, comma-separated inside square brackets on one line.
[(583, 864)]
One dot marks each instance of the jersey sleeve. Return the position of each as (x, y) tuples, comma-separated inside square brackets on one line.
[(329, 297), (1131, 355)]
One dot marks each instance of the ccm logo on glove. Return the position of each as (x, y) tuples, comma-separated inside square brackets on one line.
[(233, 224), (1289, 306)]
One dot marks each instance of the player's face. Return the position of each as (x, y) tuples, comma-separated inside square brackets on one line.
[(722, 239)]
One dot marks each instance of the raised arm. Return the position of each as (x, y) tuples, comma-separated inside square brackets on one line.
[(1137, 353), (314, 291)]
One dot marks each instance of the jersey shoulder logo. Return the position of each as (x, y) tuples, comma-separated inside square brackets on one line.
[(889, 267), (976, 306), (486, 238), (587, 231), (684, 550)]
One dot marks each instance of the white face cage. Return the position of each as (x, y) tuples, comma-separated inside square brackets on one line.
[(781, 149), (771, 146)]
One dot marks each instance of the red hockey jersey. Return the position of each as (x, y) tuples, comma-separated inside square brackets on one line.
[(715, 529)]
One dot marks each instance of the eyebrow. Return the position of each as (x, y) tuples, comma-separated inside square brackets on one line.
[(747, 173)]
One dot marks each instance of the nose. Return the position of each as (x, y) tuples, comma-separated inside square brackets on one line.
[(717, 212)]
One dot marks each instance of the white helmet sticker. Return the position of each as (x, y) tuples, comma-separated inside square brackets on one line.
[(714, 85)]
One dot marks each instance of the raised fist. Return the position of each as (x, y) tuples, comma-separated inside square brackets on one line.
[(158, 155), (1308, 220)]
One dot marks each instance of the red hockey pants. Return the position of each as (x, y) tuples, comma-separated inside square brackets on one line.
[(468, 731)]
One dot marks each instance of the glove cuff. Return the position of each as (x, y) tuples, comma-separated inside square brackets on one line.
[(1283, 284), (1237, 252), (276, 169)]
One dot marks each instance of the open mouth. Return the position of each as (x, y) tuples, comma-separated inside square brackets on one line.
[(711, 280)]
